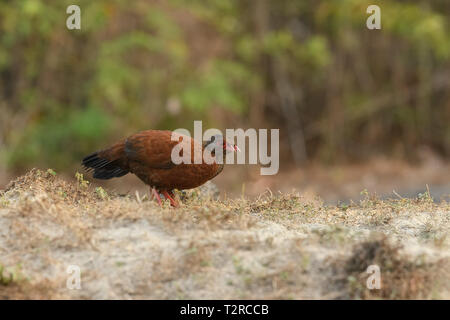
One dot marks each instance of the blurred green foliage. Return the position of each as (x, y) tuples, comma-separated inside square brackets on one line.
[(151, 64)]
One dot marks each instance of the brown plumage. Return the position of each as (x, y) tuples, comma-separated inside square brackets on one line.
[(147, 154)]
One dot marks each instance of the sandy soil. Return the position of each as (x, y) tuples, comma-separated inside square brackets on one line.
[(281, 246)]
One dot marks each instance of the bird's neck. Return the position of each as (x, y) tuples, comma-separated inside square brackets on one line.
[(219, 168), (219, 165)]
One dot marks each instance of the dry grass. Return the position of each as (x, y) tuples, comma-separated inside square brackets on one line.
[(280, 246)]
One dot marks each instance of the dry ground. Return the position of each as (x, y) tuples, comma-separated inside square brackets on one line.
[(280, 246)]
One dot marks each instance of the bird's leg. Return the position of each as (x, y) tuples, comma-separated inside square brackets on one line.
[(169, 195), (155, 194), (173, 197)]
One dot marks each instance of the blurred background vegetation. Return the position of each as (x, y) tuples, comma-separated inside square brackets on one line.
[(338, 91)]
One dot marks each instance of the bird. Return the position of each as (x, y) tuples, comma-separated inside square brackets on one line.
[(148, 155)]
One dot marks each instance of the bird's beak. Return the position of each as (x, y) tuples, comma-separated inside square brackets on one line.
[(230, 147)]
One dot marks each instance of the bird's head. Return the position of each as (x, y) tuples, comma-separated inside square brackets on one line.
[(217, 141)]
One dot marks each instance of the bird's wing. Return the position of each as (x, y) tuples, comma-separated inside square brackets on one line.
[(153, 148)]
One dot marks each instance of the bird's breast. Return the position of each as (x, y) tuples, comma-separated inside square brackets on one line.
[(183, 176)]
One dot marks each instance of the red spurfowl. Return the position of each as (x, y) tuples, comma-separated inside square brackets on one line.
[(147, 154)]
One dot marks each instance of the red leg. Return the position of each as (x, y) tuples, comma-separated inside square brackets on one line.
[(156, 195), (173, 197), (169, 195)]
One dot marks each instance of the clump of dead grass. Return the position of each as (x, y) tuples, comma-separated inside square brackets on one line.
[(25, 290), (402, 276), (37, 182)]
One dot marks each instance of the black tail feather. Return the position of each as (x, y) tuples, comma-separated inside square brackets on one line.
[(103, 168)]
